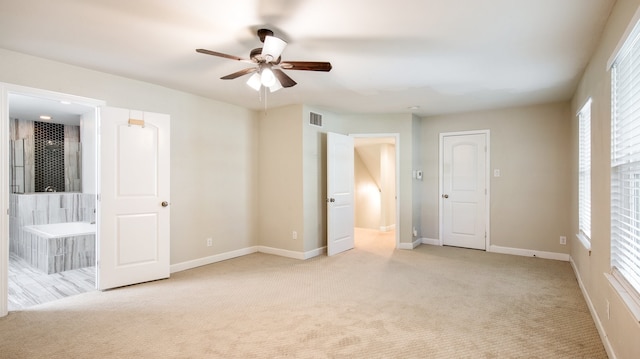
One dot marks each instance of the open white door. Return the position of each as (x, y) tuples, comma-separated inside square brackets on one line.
[(133, 225), (464, 190), (340, 216)]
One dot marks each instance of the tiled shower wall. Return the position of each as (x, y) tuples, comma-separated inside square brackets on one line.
[(45, 208), (49, 156), (64, 142)]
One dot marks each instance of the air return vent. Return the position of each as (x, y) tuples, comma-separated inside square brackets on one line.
[(315, 119)]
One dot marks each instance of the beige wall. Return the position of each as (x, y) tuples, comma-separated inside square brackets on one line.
[(388, 186), (367, 196), (417, 186), (280, 179), (213, 151), (530, 201), (622, 330)]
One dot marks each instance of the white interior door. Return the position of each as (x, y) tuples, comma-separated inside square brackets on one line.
[(464, 191), (133, 223), (340, 178)]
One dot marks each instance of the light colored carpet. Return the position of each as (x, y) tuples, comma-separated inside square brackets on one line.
[(369, 302)]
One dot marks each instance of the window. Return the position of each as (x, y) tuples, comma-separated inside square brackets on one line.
[(625, 162), (584, 175)]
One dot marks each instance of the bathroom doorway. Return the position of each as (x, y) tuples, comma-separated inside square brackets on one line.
[(376, 175), (52, 197)]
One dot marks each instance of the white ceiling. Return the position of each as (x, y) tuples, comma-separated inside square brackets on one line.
[(31, 108), (388, 55)]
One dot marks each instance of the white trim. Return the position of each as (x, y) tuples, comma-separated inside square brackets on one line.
[(588, 102), (292, 254), (410, 246), (594, 313), (315, 252), (179, 267), (529, 253), (396, 136), (487, 154), (627, 32), (388, 228), (432, 241), (585, 242), (4, 197)]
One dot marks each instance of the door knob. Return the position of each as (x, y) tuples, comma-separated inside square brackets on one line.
[(445, 196), (165, 203)]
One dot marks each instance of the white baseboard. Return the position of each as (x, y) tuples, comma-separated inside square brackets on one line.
[(411, 245), (315, 252), (529, 253), (387, 228), (431, 241), (178, 267), (292, 254), (594, 314)]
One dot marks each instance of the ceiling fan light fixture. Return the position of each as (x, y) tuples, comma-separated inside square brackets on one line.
[(267, 78), (275, 87), (254, 81), (272, 48)]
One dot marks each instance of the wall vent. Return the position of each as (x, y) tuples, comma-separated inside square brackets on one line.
[(315, 119)]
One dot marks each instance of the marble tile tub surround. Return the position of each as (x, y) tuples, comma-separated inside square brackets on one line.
[(55, 255), (51, 207), (45, 208)]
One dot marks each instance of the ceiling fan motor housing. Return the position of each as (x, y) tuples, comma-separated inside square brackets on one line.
[(263, 33)]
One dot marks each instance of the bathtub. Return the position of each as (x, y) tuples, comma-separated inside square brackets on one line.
[(60, 230), (58, 247)]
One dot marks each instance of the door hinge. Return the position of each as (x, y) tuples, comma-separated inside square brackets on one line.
[(98, 197)]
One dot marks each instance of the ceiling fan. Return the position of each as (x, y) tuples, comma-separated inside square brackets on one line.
[(268, 64)]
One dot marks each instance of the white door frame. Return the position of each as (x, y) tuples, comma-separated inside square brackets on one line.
[(487, 212), (396, 137), (5, 90)]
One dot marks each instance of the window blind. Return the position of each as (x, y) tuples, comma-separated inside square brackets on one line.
[(584, 176), (625, 161)]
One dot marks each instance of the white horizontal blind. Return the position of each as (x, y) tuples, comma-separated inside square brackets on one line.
[(625, 161), (584, 175)]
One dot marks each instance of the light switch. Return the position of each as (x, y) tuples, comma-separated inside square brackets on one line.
[(496, 173)]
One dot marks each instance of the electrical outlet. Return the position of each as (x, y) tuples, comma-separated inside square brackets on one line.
[(294, 235), (563, 240), (209, 242)]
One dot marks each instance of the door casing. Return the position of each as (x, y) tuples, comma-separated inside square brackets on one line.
[(5, 90)]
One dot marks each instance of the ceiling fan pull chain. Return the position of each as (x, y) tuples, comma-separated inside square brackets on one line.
[(265, 100)]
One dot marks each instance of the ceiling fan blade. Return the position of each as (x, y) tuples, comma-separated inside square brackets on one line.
[(284, 79), (273, 47), (220, 54), (237, 74), (306, 65)]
